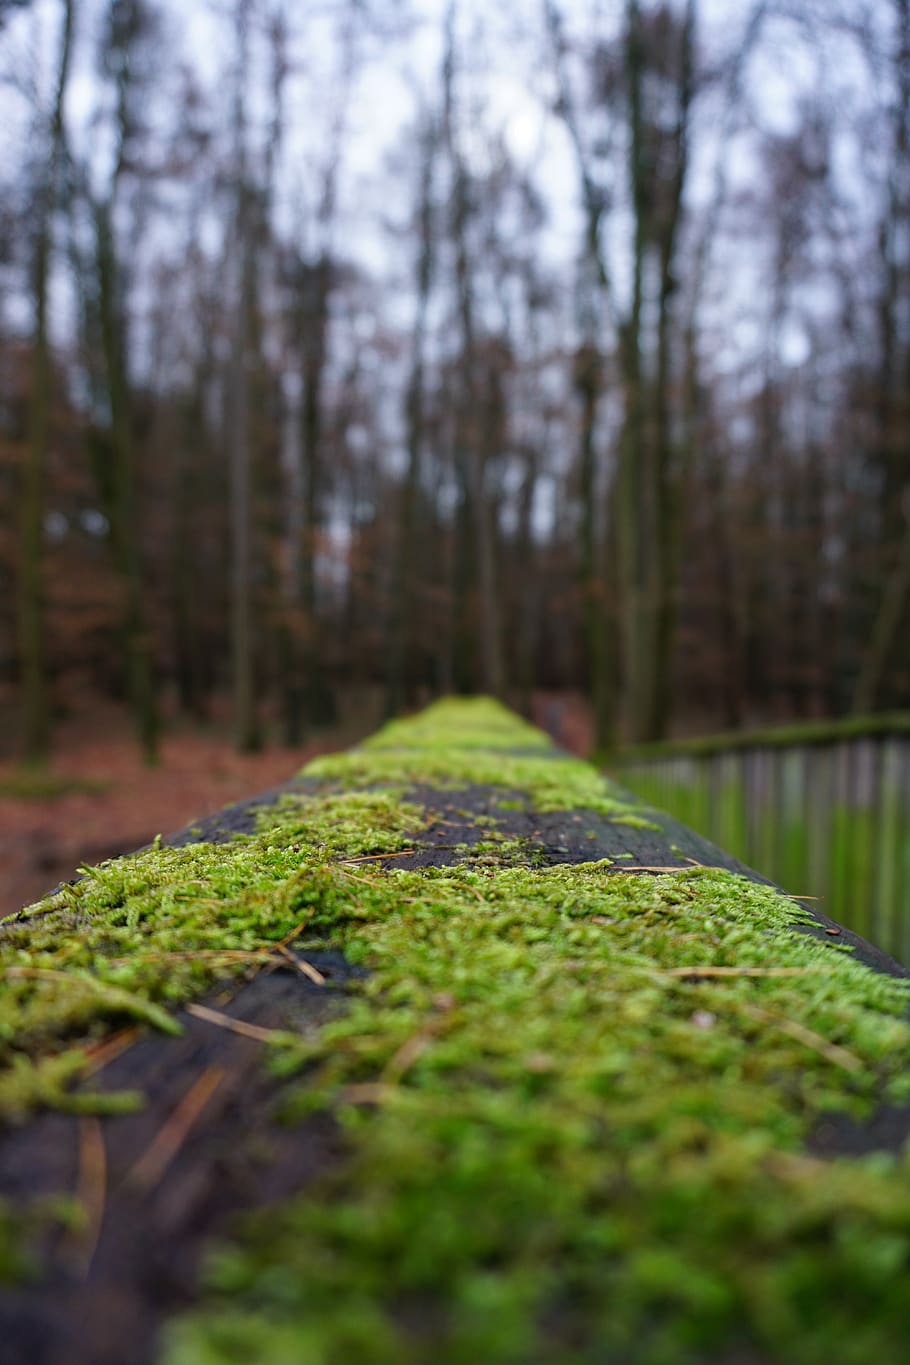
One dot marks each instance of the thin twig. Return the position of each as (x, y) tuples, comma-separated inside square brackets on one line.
[(367, 881), (796, 1165), (832, 1052), (676, 868), (49, 974), (108, 1050), (413, 1048), (405, 1057), (297, 931), (91, 1191), (261, 1035), (432, 848), (380, 857), (152, 1165), (368, 1092), (743, 971), (274, 963), (305, 968), (204, 954)]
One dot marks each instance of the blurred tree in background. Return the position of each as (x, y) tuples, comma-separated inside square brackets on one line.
[(405, 346)]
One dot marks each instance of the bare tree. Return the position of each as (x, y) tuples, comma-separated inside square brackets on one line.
[(313, 276), (51, 142), (595, 310), (893, 406), (659, 62), (400, 629), (242, 247), (475, 547), (130, 25)]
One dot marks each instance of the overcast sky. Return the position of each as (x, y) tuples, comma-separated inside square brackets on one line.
[(506, 74)]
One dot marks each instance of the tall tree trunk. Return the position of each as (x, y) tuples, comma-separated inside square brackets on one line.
[(598, 620), (31, 579), (463, 666), (398, 679), (528, 604), (633, 485), (191, 473), (399, 652), (246, 721), (895, 599), (33, 663), (668, 505), (311, 695), (476, 582), (124, 528), (648, 512), (289, 632), (598, 563), (319, 698), (484, 448), (889, 604)]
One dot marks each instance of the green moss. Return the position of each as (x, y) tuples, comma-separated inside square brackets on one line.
[(561, 1150), (550, 784), (22, 1230), (634, 821), (547, 782), (460, 723), (141, 934), (568, 1138), (496, 750)]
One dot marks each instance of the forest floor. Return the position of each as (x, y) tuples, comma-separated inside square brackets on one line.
[(99, 798)]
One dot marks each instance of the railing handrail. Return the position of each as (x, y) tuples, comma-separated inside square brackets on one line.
[(806, 733)]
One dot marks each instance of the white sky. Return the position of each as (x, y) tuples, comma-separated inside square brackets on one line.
[(507, 76)]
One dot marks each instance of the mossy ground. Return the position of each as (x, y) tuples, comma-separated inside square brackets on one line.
[(576, 1099)]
